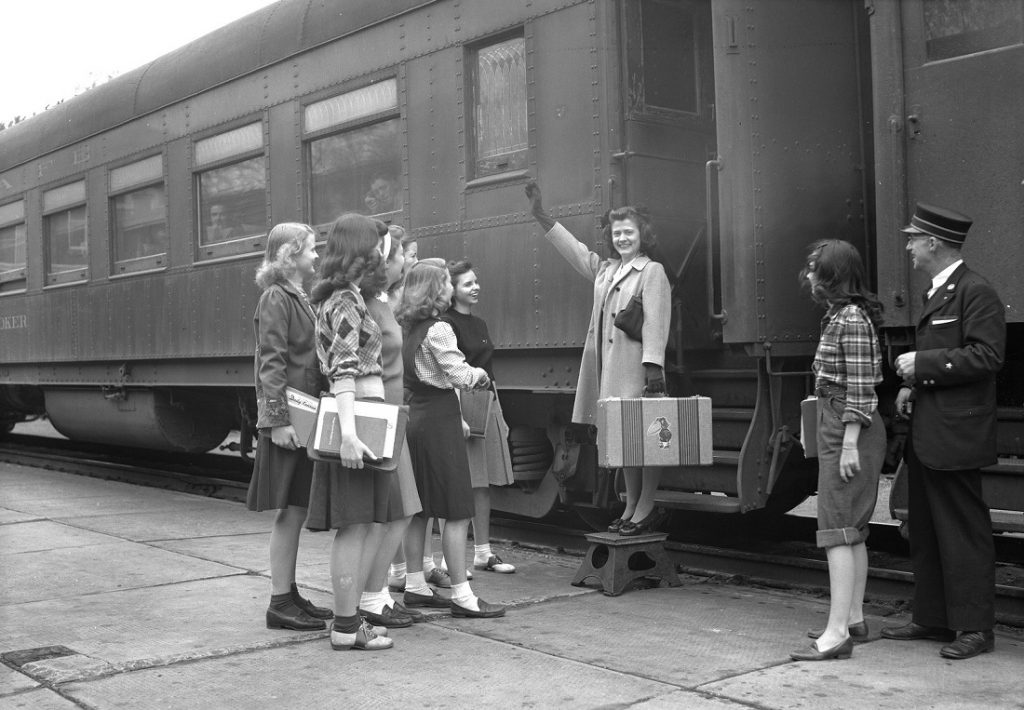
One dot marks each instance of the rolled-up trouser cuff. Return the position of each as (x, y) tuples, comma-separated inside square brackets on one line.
[(835, 537)]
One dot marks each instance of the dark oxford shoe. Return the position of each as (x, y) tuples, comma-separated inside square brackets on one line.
[(317, 612), (432, 600), (487, 611), (291, 617), (916, 632), (388, 618), (969, 645)]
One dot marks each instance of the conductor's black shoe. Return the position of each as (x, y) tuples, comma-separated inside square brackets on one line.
[(317, 612), (970, 644), (915, 632), (432, 600), (487, 610), (294, 618)]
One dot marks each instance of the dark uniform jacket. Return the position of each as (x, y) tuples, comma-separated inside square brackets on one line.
[(285, 352), (961, 338)]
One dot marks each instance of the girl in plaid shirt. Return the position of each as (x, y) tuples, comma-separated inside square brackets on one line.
[(851, 437), (345, 496)]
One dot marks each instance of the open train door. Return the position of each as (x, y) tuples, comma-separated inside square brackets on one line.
[(793, 166), (949, 88)]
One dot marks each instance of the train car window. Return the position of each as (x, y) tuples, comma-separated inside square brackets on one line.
[(498, 90), (138, 208), (663, 58), (954, 28), (353, 153), (65, 234), (231, 192), (12, 246)]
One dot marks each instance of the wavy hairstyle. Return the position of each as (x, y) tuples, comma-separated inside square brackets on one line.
[(839, 277), (285, 241), (455, 270), (352, 251), (422, 296), (642, 219)]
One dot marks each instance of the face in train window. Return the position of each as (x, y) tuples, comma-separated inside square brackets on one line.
[(140, 223), (231, 186), (233, 200), (498, 88), (356, 171), (954, 28)]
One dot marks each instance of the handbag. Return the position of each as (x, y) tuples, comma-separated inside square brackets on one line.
[(379, 425), (630, 320), (476, 410)]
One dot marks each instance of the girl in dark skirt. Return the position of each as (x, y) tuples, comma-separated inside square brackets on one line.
[(285, 357), (489, 460), (434, 367), (850, 436), (346, 496)]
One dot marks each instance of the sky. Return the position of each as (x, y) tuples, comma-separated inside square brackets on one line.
[(54, 50)]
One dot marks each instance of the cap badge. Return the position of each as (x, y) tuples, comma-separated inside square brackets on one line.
[(949, 366)]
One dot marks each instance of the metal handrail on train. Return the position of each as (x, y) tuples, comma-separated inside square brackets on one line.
[(709, 210)]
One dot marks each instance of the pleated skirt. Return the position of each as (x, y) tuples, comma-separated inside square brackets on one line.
[(490, 463), (280, 477), (439, 459)]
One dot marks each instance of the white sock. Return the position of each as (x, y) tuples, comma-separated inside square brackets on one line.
[(482, 553), (444, 564), (464, 597), (428, 564), (398, 570), (371, 602), (416, 583)]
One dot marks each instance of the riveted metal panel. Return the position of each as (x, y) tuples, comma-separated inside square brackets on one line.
[(790, 140)]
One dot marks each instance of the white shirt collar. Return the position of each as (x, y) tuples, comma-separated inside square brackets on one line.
[(943, 276)]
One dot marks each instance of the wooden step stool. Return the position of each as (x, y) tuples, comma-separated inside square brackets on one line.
[(617, 561)]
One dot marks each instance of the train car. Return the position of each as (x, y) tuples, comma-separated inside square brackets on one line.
[(132, 217)]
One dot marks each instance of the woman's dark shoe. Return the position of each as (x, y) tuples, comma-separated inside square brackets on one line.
[(416, 616), (388, 618), (317, 612), (615, 525), (487, 610), (432, 600), (647, 525), (289, 616), (811, 653), (858, 631)]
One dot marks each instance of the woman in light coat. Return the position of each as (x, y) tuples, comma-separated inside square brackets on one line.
[(615, 364)]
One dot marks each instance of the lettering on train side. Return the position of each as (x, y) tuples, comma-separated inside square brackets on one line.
[(13, 322)]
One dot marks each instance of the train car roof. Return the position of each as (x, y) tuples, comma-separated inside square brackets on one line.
[(249, 44)]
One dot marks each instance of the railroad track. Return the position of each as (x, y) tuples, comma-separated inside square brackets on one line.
[(774, 553)]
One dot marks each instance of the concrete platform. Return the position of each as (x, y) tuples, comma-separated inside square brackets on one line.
[(118, 596)]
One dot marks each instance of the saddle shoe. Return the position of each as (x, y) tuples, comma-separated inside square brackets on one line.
[(495, 564), (916, 632), (970, 644), (858, 632), (365, 639), (439, 578), (811, 653)]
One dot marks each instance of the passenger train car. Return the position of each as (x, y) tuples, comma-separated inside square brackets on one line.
[(132, 217)]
